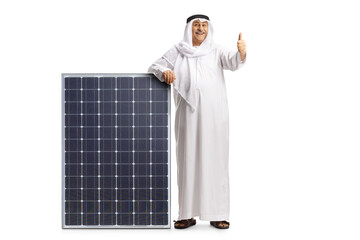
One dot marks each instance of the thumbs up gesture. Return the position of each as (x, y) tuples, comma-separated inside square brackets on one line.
[(241, 45)]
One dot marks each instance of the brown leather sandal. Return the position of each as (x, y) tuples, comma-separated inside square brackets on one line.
[(224, 224), (185, 223)]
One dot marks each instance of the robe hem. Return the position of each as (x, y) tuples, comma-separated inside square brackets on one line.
[(206, 217)]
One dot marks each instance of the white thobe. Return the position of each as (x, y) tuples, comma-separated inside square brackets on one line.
[(202, 137)]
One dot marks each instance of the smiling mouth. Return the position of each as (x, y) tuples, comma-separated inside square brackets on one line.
[(200, 33)]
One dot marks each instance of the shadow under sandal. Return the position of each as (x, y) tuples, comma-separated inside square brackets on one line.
[(220, 224), (185, 223)]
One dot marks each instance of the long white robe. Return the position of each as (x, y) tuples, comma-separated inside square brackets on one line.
[(202, 137)]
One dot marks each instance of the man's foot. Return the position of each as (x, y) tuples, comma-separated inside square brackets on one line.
[(185, 223), (220, 224)]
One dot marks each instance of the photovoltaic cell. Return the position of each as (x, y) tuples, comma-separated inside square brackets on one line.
[(116, 151)]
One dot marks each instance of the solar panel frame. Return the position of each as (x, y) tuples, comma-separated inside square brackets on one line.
[(115, 75)]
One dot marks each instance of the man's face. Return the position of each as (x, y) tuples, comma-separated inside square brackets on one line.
[(199, 32)]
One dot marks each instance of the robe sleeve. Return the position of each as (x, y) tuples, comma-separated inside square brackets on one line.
[(166, 62), (230, 60)]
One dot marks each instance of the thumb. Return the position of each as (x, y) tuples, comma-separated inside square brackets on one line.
[(240, 36)]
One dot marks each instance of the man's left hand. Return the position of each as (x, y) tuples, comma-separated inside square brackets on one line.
[(241, 45)]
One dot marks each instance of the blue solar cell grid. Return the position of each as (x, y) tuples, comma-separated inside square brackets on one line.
[(116, 151)]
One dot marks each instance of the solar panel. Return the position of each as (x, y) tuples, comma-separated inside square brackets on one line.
[(116, 151)]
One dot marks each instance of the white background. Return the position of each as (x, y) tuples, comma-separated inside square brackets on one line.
[(294, 109)]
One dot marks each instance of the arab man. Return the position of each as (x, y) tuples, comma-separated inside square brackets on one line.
[(195, 67)]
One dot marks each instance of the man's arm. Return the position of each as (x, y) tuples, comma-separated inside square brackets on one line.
[(233, 60), (166, 63)]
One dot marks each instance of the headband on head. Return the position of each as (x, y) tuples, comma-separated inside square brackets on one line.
[(197, 16)]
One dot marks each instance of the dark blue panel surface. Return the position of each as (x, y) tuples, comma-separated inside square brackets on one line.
[(72, 83), (159, 157), (108, 218), (159, 132), (142, 95), (73, 207), (72, 170), (142, 157), (159, 107), (108, 95), (89, 157), (159, 144), (89, 95), (159, 120), (142, 169), (116, 151), (125, 132), (125, 194), (158, 85), (72, 108), (160, 219), (72, 132), (73, 95), (73, 194), (124, 95), (125, 169), (159, 182), (107, 158), (125, 107), (159, 95), (159, 169), (108, 194), (89, 82), (107, 170), (90, 170), (108, 130), (90, 120), (107, 107), (142, 108), (72, 219), (126, 206), (107, 83), (125, 82), (142, 120), (142, 82)]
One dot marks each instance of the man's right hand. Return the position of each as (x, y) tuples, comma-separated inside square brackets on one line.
[(169, 76)]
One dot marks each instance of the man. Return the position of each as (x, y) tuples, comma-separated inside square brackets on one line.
[(195, 68)]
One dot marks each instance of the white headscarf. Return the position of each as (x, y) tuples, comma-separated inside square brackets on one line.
[(185, 83)]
